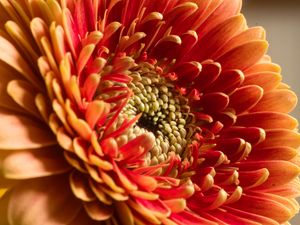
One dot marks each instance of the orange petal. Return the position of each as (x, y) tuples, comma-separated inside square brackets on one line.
[(282, 100), (80, 187), (220, 13), (264, 67), (98, 211), (273, 153), (243, 56), (33, 163), (6, 75), (245, 98), (251, 34), (290, 190), (282, 208), (253, 178), (49, 204), (218, 36), (29, 134), (23, 94), (10, 55), (251, 216), (266, 80), (124, 213), (267, 120), (280, 172), (23, 40), (281, 137)]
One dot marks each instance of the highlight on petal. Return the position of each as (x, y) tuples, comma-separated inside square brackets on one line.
[(35, 163)]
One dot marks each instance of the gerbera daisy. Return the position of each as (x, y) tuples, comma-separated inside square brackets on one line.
[(142, 112)]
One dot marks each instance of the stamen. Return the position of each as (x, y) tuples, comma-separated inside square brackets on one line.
[(164, 112)]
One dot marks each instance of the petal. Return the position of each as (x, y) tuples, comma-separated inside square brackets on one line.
[(251, 34), (83, 218), (230, 218), (210, 72), (281, 100), (253, 135), (245, 98), (214, 102), (264, 67), (6, 75), (266, 80), (243, 56), (98, 211), (224, 10), (124, 213), (50, 199), (29, 134), (23, 94), (273, 153), (187, 72), (190, 218), (219, 36), (33, 163), (80, 187), (267, 120), (281, 137), (262, 205), (7, 183), (290, 190), (10, 55), (280, 172), (251, 216), (227, 81), (4, 200)]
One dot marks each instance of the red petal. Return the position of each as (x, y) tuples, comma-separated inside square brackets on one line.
[(245, 98), (190, 218), (213, 102), (253, 135)]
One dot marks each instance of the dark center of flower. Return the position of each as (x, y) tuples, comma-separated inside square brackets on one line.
[(164, 112)]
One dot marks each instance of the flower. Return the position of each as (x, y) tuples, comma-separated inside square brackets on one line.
[(142, 112)]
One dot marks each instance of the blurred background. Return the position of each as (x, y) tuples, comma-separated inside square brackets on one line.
[(281, 19)]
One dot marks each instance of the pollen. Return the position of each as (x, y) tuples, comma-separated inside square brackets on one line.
[(164, 112)]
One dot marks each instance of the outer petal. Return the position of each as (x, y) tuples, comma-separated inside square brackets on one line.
[(50, 200), (35, 163), (244, 55), (20, 132)]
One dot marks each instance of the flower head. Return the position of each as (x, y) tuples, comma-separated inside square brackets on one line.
[(142, 112)]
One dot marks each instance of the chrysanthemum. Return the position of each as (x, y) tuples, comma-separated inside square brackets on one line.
[(142, 112)]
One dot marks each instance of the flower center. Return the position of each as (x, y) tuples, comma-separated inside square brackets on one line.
[(164, 111)]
